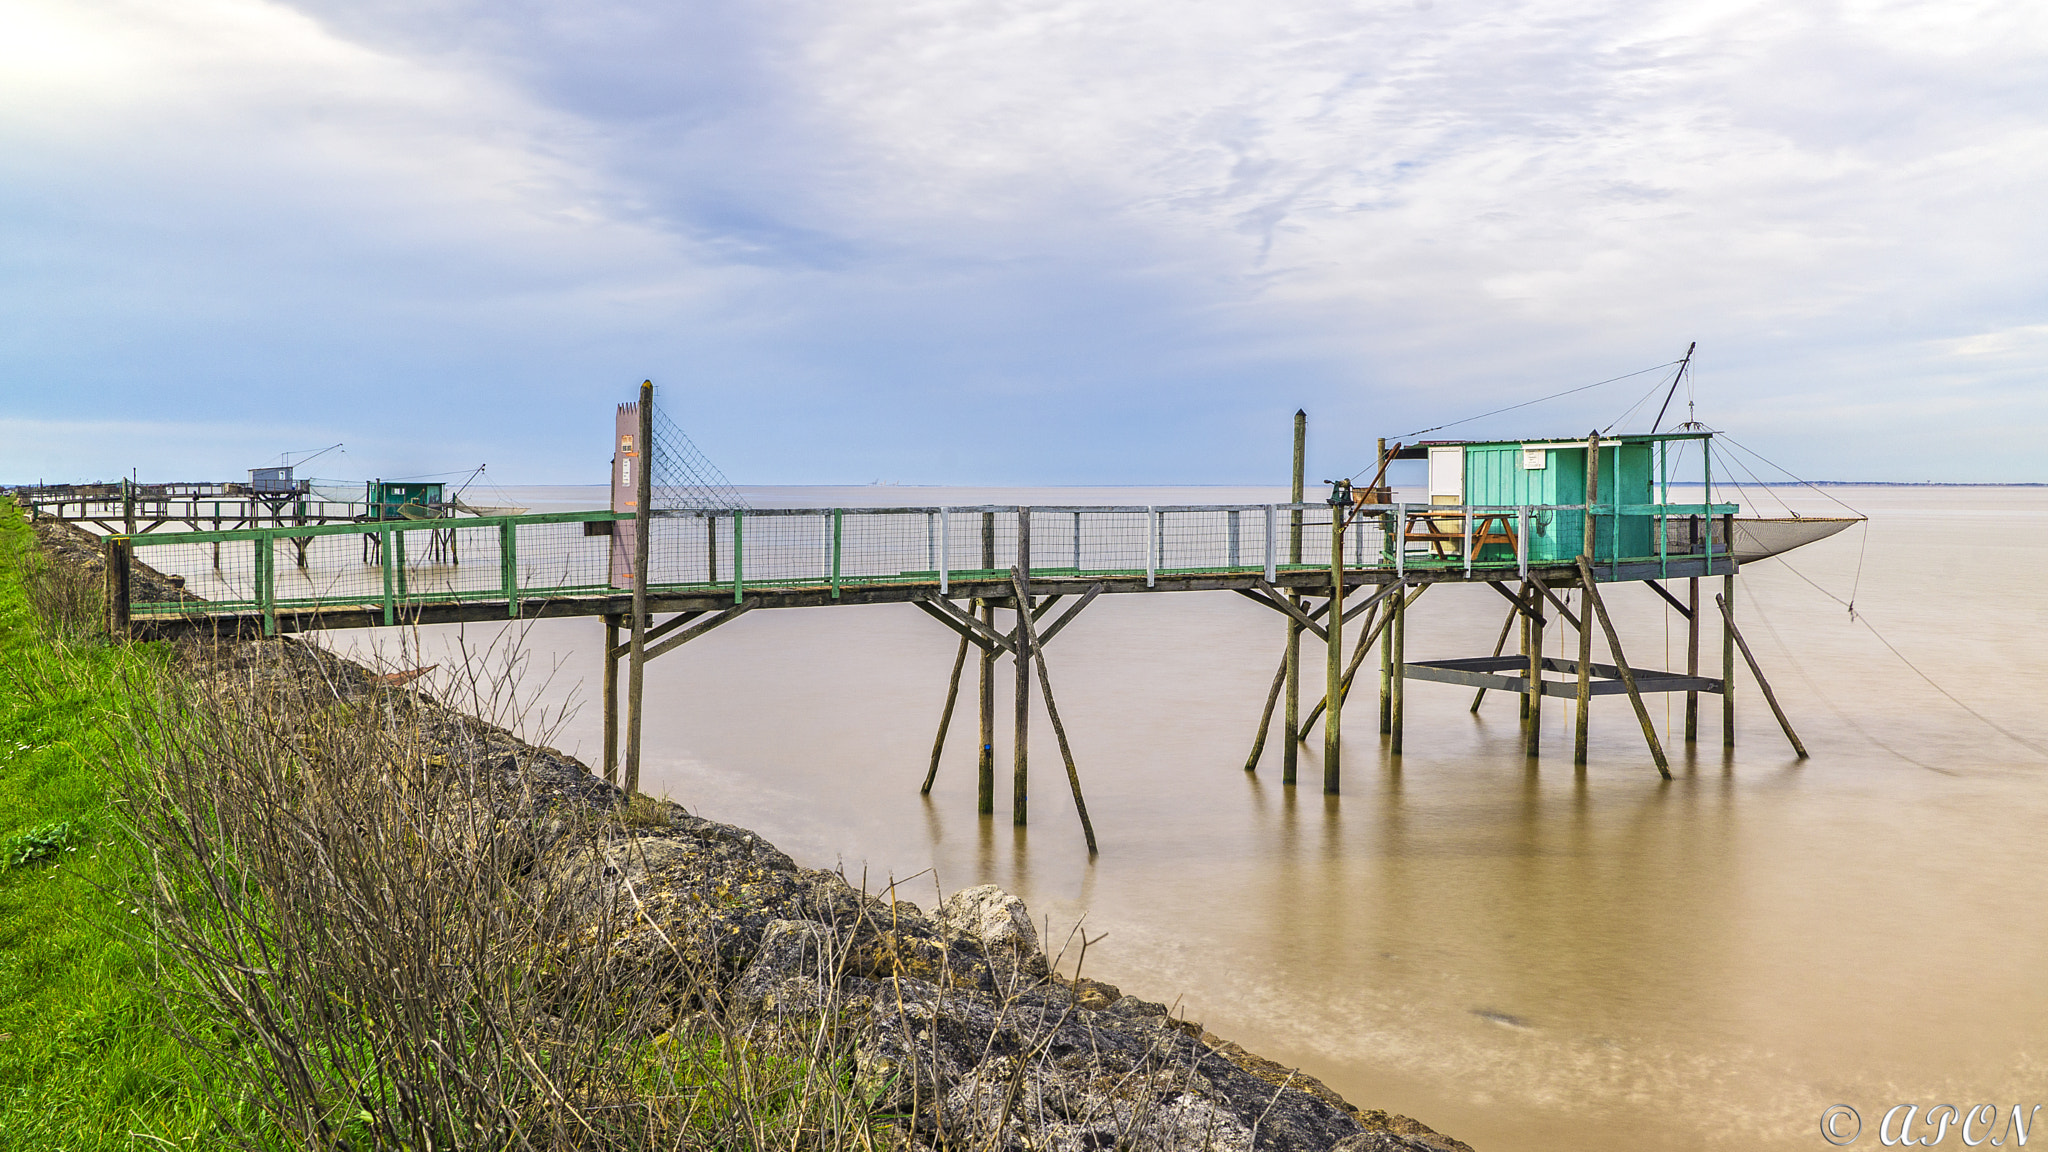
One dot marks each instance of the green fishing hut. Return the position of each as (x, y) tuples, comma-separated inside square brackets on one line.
[(1549, 477)]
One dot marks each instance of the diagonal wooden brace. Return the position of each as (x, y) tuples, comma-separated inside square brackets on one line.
[(976, 633)]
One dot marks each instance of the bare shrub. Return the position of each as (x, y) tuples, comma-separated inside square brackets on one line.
[(69, 600), (356, 931)]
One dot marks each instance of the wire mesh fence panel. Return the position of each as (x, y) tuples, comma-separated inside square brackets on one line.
[(393, 565)]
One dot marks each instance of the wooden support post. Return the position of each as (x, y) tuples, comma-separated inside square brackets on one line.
[(119, 552), (1333, 659), (127, 507), (945, 717), (1368, 634), (711, 548), (1028, 634), (611, 699), (1755, 670), (1524, 617), (1020, 755), (643, 501), (1398, 704), (1499, 646), (1290, 754), (1251, 763), (1583, 720), (1727, 657), (1533, 696), (1692, 659), (1595, 606), (985, 772)]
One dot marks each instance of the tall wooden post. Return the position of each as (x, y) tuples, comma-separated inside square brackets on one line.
[(128, 506), (611, 699), (1397, 631), (1692, 659), (1588, 550), (1020, 760), (1533, 733), (945, 718), (985, 767), (1333, 656), (1522, 611), (1387, 634), (643, 513), (1727, 656), (119, 553), (1290, 754)]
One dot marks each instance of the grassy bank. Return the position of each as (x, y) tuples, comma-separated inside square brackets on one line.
[(83, 1064)]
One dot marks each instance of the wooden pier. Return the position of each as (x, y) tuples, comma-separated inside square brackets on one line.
[(1008, 580)]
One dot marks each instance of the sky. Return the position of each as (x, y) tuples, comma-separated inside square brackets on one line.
[(1015, 241)]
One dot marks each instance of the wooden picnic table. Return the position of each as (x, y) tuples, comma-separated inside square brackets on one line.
[(1445, 542)]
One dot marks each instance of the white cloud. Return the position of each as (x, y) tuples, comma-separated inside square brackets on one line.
[(862, 229)]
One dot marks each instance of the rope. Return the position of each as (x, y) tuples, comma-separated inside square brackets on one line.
[(1859, 618), (1538, 400), (1791, 658)]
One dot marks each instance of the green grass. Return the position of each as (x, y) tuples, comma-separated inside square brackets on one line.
[(84, 1061)]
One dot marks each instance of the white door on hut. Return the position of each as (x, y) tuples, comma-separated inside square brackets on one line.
[(1447, 475)]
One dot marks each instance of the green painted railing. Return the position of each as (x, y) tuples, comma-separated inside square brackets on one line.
[(389, 566)]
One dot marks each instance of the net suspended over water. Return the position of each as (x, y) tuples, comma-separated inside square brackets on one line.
[(683, 477)]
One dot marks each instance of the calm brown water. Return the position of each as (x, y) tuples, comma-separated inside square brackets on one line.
[(1523, 956)]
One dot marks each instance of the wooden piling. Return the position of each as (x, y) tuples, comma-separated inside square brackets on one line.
[(611, 700), (1692, 659), (1499, 646), (1290, 755), (1369, 634), (1398, 633), (643, 500), (1386, 639), (1757, 671), (119, 555), (1029, 634), (1251, 763), (1333, 658), (985, 769), (1533, 696), (1595, 606), (1728, 657), (1020, 762), (1582, 721), (945, 717), (1523, 614)]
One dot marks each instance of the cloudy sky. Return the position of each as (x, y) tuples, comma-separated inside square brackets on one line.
[(1013, 241)]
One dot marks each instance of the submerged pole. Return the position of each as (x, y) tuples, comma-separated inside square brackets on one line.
[(1533, 699), (1757, 671), (1251, 762), (1052, 709), (1727, 656), (985, 767), (1595, 606), (1289, 755), (643, 500), (1692, 659), (1333, 656), (1582, 721), (1499, 646), (1020, 761), (1398, 633), (1387, 637), (945, 717)]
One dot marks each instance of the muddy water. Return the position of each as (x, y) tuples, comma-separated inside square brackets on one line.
[(1522, 955)]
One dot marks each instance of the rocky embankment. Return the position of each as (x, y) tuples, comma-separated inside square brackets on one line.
[(954, 1020)]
